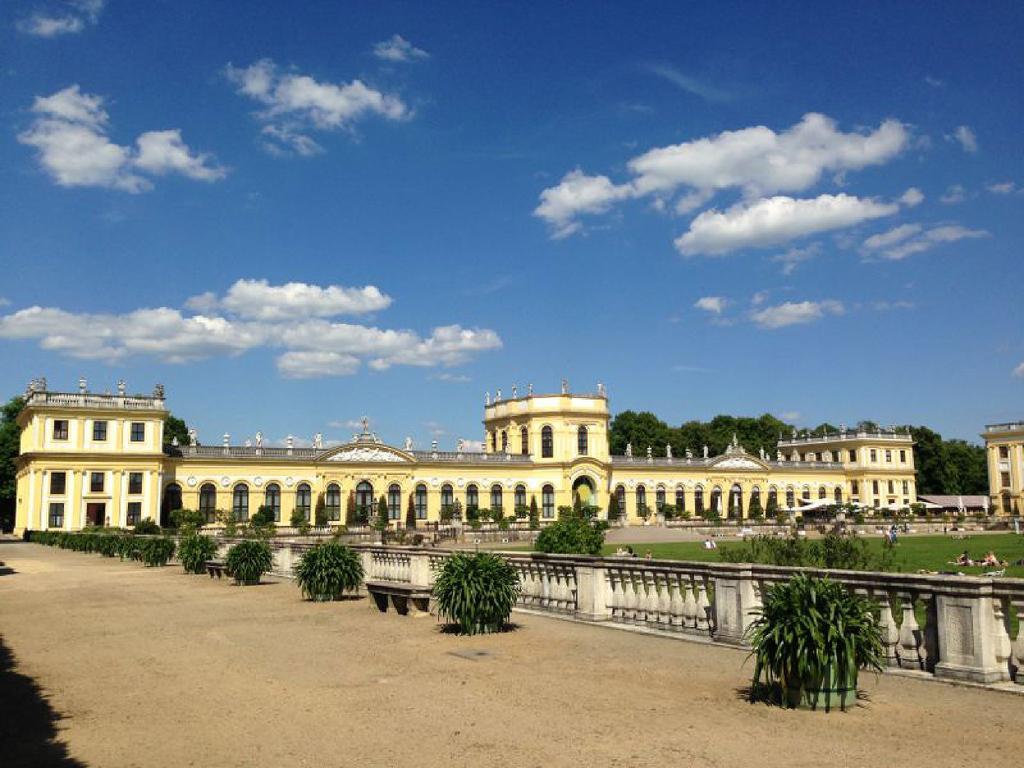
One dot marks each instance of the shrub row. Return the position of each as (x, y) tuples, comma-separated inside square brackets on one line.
[(149, 550)]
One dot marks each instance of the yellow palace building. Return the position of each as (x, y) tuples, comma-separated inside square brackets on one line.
[(99, 459)]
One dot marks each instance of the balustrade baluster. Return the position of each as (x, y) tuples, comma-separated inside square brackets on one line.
[(675, 602), (629, 614), (664, 600), (910, 652), (615, 597), (890, 632), (704, 623), (652, 614), (689, 605), (1002, 637), (1018, 644)]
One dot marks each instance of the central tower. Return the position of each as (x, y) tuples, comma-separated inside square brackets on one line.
[(556, 428)]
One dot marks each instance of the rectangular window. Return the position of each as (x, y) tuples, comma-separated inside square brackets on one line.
[(891, 489), (853, 455), (60, 429), (903, 457), (854, 488), (138, 432), (874, 487), (58, 483), (134, 482), (906, 487), (56, 514), (874, 455), (888, 457), (96, 482), (99, 431), (134, 512), (1004, 479), (1004, 452)]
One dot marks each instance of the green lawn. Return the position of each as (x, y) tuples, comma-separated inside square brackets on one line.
[(913, 553)]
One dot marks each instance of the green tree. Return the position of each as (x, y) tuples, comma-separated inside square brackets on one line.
[(380, 521), (10, 438), (175, 427), (613, 508), (641, 430), (573, 535), (410, 512)]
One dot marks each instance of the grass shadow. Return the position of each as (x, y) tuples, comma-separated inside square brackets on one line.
[(770, 696), (453, 629), (28, 723), (6, 570)]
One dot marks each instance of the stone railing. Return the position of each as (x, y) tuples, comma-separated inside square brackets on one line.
[(942, 627), (95, 400)]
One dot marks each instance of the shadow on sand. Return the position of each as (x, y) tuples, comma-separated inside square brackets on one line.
[(28, 724)]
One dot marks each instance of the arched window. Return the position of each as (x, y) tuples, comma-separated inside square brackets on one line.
[(680, 500), (716, 499), (659, 497), (447, 497), (790, 498), (303, 500), (547, 443), (838, 495), (698, 500), (364, 498), (773, 496), (272, 501), (172, 497), (208, 502), (504, 441), (641, 499), (332, 502), (520, 497), (240, 502), (472, 497), (620, 494), (805, 494), (822, 492), (496, 496), (736, 501), (581, 441), (548, 499), (494, 442), (524, 441), (421, 502), (394, 501), (755, 495)]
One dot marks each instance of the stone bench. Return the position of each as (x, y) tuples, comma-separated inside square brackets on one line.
[(216, 568), (411, 599)]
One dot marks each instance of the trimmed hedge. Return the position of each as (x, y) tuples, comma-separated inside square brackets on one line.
[(150, 550)]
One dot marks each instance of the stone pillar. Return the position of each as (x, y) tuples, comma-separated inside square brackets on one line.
[(592, 593), (419, 568), (967, 635), (735, 600)]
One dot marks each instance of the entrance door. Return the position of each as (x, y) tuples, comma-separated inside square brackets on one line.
[(95, 513), (583, 492)]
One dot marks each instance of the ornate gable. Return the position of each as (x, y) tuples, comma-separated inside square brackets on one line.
[(738, 462), (366, 454)]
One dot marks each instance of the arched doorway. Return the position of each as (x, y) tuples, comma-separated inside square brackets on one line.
[(584, 493), (736, 501), (172, 502)]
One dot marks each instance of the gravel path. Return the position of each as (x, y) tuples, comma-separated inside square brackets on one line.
[(150, 667)]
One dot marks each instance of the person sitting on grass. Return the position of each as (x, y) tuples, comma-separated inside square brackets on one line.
[(991, 561), (963, 559)]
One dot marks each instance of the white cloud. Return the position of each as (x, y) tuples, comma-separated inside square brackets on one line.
[(472, 446), (934, 82), (790, 415), (70, 135), (906, 240), (1002, 188), (310, 347), (912, 197), (966, 138), (688, 83), (398, 49), (258, 300), (1019, 371), (756, 160), (576, 194), (892, 236), (347, 424), (4, 302), (775, 220), (888, 306), (295, 103), (454, 378), (954, 194), (713, 304), (759, 298), (71, 18), (794, 257), (795, 313)]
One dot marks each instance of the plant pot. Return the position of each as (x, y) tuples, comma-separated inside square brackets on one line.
[(822, 695), (247, 582)]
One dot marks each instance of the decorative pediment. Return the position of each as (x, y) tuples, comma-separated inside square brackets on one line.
[(366, 454), (742, 461)]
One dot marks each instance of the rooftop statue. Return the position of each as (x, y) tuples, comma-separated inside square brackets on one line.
[(259, 439), (565, 386), (629, 450), (408, 443), (193, 435), (318, 441)]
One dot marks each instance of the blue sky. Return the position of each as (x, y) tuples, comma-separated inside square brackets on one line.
[(296, 214)]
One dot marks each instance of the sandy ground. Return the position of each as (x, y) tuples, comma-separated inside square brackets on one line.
[(150, 667)]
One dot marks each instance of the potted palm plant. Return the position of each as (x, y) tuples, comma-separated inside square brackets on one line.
[(476, 592), (194, 550), (248, 560), (809, 643), (328, 570)]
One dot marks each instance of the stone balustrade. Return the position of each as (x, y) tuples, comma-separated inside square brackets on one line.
[(966, 628)]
